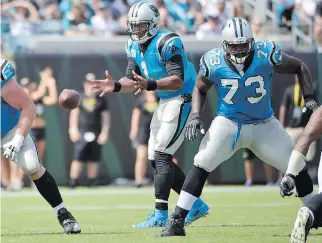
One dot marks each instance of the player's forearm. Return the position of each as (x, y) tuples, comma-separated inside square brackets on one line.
[(198, 100), (170, 83), (305, 81), (27, 116)]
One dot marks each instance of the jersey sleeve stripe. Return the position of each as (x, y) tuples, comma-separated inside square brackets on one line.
[(2, 67), (206, 66), (272, 53), (164, 40)]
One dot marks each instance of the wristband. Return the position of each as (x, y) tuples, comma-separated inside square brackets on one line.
[(152, 85), (117, 87)]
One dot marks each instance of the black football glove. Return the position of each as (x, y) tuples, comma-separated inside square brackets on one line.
[(287, 185), (193, 126), (311, 105)]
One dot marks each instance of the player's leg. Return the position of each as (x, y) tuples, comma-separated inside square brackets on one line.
[(167, 175), (275, 149), (216, 147), (93, 163), (29, 162), (248, 157)]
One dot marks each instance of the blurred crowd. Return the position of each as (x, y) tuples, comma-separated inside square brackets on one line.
[(108, 17)]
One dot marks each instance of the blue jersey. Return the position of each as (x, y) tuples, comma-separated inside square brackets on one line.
[(243, 97), (152, 63), (9, 115)]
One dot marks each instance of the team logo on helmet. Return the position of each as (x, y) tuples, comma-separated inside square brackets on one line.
[(155, 10)]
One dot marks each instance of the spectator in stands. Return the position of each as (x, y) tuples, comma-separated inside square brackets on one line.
[(164, 14), (22, 15), (249, 157), (284, 10), (179, 14), (238, 8), (304, 13), (88, 129), (76, 21), (140, 133), (218, 8), (210, 29), (292, 117), (44, 95), (257, 25), (103, 22), (318, 27)]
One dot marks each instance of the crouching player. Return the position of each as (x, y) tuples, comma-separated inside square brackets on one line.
[(310, 216), (17, 114)]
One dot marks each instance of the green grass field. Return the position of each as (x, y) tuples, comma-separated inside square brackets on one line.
[(238, 214)]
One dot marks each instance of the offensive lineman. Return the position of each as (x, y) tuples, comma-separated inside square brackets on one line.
[(310, 216), (17, 114), (157, 61), (242, 70)]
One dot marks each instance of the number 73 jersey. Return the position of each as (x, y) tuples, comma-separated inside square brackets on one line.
[(244, 96)]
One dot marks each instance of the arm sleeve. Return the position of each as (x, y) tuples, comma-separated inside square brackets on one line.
[(131, 66), (204, 68), (175, 66)]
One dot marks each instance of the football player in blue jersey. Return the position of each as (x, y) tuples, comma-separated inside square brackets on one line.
[(242, 71), (17, 114), (157, 61), (309, 216)]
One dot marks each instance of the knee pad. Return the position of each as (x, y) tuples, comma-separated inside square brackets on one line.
[(29, 162), (163, 162), (303, 182)]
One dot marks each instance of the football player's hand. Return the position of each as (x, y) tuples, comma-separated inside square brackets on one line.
[(311, 105), (102, 138), (193, 126), (287, 185), (74, 134), (140, 83), (12, 148), (103, 86)]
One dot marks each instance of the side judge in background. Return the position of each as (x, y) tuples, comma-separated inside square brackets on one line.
[(88, 129)]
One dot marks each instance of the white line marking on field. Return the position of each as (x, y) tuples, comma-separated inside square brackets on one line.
[(134, 191), (143, 207)]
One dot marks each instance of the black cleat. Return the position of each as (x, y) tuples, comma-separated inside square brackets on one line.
[(68, 222), (175, 227), (302, 226)]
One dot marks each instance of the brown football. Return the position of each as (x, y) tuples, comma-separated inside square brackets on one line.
[(69, 99)]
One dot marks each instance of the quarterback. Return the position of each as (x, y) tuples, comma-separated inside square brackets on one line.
[(242, 71), (17, 114), (157, 61)]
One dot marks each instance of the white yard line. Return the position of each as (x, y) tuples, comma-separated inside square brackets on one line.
[(135, 191), (144, 207)]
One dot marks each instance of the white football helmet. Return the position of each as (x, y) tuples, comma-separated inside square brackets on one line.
[(143, 21), (237, 40)]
